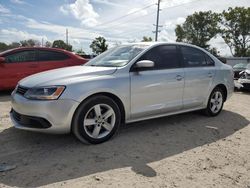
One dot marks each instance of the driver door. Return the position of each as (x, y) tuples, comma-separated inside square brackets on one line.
[(157, 90)]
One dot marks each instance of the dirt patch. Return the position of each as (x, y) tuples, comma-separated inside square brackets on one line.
[(188, 150)]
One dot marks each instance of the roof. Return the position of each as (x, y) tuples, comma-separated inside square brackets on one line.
[(32, 48), (157, 43)]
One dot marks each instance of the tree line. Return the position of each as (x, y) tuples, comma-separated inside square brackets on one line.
[(32, 43), (232, 25), (199, 28)]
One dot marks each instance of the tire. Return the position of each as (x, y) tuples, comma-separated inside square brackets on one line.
[(96, 120), (215, 102)]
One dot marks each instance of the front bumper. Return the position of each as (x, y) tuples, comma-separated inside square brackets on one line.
[(243, 83), (53, 116)]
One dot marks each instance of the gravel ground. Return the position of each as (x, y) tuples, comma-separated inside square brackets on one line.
[(188, 150)]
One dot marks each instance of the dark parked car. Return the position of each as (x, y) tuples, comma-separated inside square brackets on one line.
[(18, 63), (239, 68)]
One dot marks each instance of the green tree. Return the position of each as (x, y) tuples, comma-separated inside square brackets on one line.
[(99, 45), (214, 51), (198, 29), (61, 44), (29, 43), (80, 52), (146, 39), (3, 46), (236, 30), (248, 53), (48, 44), (14, 45)]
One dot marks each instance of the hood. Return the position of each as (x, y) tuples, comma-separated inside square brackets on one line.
[(64, 76), (239, 69)]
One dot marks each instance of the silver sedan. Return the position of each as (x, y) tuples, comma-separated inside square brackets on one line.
[(125, 84)]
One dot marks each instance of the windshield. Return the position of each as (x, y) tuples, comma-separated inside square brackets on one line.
[(117, 56), (241, 66)]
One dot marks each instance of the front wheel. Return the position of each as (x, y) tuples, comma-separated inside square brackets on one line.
[(215, 102), (96, 120)]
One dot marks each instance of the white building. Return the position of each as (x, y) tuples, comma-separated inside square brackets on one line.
[(235, 60)]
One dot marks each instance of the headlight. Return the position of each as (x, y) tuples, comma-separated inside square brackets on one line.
[(45, 93)]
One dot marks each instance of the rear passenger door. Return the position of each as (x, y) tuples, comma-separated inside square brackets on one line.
[(51, 59), (199, 73)]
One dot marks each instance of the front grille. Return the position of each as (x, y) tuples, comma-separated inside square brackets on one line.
[(30, 121), (16, 115), (21, 90), (246, 86)]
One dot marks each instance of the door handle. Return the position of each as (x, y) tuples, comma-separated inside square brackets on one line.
[(210, 75), (179, 77)]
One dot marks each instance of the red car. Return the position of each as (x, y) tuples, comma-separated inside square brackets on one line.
[(18, 63)]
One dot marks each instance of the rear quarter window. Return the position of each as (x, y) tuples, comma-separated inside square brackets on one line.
[(193, 57)]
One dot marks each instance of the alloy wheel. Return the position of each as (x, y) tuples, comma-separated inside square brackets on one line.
[(99, 121), (216, 102)]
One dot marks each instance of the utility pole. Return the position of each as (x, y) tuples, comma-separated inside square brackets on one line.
[(67, 37), (157, 21), (42, 42)]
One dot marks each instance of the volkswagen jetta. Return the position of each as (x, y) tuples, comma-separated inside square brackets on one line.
[(125, 84)]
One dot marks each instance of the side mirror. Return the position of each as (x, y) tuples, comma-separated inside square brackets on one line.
[(145, 64), (2, 59)]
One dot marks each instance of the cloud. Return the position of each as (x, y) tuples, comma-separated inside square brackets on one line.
[(220, 45), (13, 35), (4, 10), (108, 3), (59, 30), (180, 20), (64, 10), (17, 2), (175, 3), (83, 11)]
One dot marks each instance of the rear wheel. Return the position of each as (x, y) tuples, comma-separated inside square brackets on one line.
[(96, 120), (215, 102)]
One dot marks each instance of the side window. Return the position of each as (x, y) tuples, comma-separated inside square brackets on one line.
[(209, 60), (193, 57), (23, 56), (45, 55), (164, 57)]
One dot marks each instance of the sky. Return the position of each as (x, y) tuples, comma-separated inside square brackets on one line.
[(118, 21)]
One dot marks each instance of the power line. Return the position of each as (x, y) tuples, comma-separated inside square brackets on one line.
[(135, 18), (151, 13), (121, 17), (126, 15)]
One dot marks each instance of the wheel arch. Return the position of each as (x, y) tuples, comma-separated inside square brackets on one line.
[(114, 97), (224, 89)]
